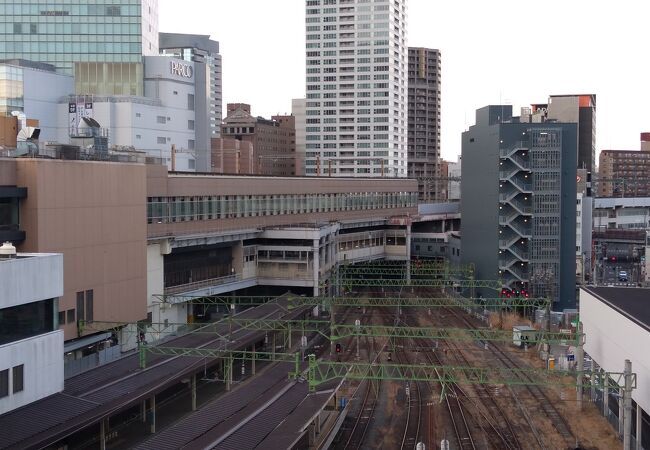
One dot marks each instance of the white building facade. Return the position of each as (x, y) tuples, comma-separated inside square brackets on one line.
[(31, 345), (356, 81), (163, 119)]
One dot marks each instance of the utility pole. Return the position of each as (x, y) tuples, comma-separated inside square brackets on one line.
[(627, 407)]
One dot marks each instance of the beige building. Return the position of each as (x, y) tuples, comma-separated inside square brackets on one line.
[(92, 212), (274, 141)]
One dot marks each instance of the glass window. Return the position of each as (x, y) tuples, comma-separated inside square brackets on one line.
[(24, 321)]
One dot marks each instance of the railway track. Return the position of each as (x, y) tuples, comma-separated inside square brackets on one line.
[(545, 403), (411, 435)]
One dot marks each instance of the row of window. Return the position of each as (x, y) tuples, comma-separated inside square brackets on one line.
[(17, 380), (181, 209)]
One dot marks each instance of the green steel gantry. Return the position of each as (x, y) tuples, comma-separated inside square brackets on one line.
[(320, 371), (421, 282), (336, 331), (425, 302)]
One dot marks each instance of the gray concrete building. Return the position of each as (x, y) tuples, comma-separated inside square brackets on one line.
[(204, 53), (424, 122), (519, 203)]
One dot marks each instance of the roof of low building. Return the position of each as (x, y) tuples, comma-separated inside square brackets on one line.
[(632, 302)]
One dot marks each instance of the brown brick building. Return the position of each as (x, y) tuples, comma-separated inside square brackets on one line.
[(625, 173), (274, 141)]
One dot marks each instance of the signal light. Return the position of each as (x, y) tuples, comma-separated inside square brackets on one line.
[(338, 348), (613, 259)]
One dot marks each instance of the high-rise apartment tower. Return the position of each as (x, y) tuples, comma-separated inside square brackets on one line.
[(356, 116), (424, 122)]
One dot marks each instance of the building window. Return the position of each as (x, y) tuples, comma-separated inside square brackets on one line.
[(81, 307), (4, 383), (89, 305), (161, 140), (61, 317), (113, 11), (190, 102), (138, 115), (161, 119), (18, 381), (190, 124), (70, 314), (190, 144)]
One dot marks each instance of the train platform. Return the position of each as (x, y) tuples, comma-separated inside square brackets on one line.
[(92, 396)]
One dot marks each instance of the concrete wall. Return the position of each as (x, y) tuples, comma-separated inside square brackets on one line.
[(42, 93), (480, 194), (94, 213), (42, 357), (29, 279), (611, 338)]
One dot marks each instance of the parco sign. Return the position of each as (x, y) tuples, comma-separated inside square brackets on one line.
[(180, 69)]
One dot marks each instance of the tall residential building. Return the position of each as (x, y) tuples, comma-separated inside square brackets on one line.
[(625, 173), (519, 203), (580, 109), (274, 141), (356, 88), (424, 122), (100, 42), (298, 108)]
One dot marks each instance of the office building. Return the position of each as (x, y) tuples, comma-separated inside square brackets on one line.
[(274, 141), (356, 84), (519, 203), (204, 53), (625, 173), (101, 43), (31, 346), (424, 123), (580, 109)]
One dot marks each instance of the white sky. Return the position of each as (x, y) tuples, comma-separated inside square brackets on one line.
[(511, 51)]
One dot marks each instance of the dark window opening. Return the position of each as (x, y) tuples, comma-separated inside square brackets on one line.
[(18, 378)]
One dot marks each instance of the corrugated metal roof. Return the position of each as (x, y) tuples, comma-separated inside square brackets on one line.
[(291, 428), (217, 411), (40, 416), (256, 429)]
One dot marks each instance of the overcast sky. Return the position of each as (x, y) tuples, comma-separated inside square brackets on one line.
[(511, 51)]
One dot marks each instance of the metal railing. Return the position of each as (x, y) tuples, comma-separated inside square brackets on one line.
[(195, 285)]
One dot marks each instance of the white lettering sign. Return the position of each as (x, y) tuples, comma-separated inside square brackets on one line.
[(180, 69)]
